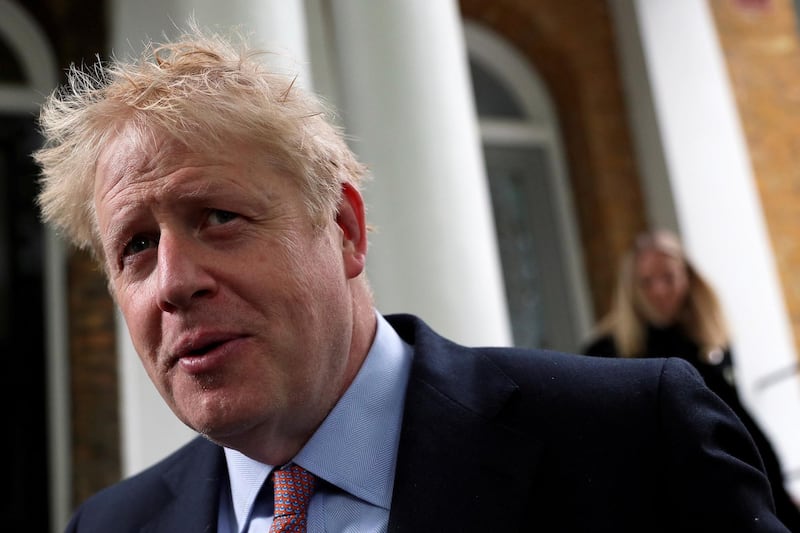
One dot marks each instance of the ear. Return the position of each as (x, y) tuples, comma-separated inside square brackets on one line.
[(351, 219)]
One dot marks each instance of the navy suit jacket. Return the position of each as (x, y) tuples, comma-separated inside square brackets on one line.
[(511, 440)]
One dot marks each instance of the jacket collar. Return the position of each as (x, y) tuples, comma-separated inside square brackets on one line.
[(194, 481), (459, 467)]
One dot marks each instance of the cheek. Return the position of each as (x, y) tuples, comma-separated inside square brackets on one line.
[(676, 295), (319, 265), (140, 316), (649, 295), (683, 289)]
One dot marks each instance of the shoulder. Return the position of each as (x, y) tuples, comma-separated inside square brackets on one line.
[(600, 427), (616, 402), (544, 381), (135, 500), (609, 385)]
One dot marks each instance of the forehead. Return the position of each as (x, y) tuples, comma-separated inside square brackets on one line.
[(652, 261), (134, 156), (154, 164)]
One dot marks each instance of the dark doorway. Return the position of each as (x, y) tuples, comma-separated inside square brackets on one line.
[(22, 331)]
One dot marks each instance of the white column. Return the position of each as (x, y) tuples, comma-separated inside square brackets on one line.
[(705, 158), (275, 25), (149, 429), (408, 106)]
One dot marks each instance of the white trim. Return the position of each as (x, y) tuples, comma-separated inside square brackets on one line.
[(495, 55), (541, 128), (514, 132), (28, 42), (18, 99), (60, 449), (30, 45)]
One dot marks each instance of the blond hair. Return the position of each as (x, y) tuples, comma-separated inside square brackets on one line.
[(203, 91), (701, 316)]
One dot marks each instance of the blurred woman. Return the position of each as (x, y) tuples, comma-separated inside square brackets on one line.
[(663, 307)]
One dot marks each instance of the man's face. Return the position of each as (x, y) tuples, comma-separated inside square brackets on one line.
[(239, 307)]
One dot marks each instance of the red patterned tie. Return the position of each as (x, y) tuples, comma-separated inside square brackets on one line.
[(293, 489)]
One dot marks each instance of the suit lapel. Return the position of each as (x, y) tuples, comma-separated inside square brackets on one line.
[(195, 484), (459, 468)]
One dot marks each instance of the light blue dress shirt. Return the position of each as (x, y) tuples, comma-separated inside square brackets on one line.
[(353, 453)]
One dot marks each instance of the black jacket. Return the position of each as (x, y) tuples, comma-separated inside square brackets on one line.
[(719, 376), (512, 440)]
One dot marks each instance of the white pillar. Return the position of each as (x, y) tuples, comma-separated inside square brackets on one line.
[(408, 106), (275, 25), (149, 429), (705, 158)]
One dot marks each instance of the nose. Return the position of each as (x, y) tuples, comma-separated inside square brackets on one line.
[(660, 288), (183, 274)]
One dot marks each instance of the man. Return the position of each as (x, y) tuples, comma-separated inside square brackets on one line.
[(226, 213)]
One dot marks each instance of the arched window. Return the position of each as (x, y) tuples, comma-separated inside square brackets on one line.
[(540, 251), (35, 435)]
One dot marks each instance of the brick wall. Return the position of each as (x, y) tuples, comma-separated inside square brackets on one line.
[(762, 51), (93, 380)]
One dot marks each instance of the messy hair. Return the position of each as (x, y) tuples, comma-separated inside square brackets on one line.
[(203, 91), (701, 316)]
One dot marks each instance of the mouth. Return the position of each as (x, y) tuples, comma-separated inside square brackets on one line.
[(203, 350), (200, 353)]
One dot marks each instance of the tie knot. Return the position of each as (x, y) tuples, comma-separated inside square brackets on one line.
[(294, 486)]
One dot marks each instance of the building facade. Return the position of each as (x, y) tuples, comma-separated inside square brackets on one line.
[(515, 147)]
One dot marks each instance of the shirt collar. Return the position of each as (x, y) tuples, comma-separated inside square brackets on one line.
[(246, 478), (355, 447)]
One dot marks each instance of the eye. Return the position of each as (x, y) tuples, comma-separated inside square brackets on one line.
[(138, 244), (217, 217)]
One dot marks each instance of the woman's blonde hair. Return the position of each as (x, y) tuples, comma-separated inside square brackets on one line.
[(701, 316), (203, 91)]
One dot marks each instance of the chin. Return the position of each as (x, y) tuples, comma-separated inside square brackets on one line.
[(661, 321), (215, 430)]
